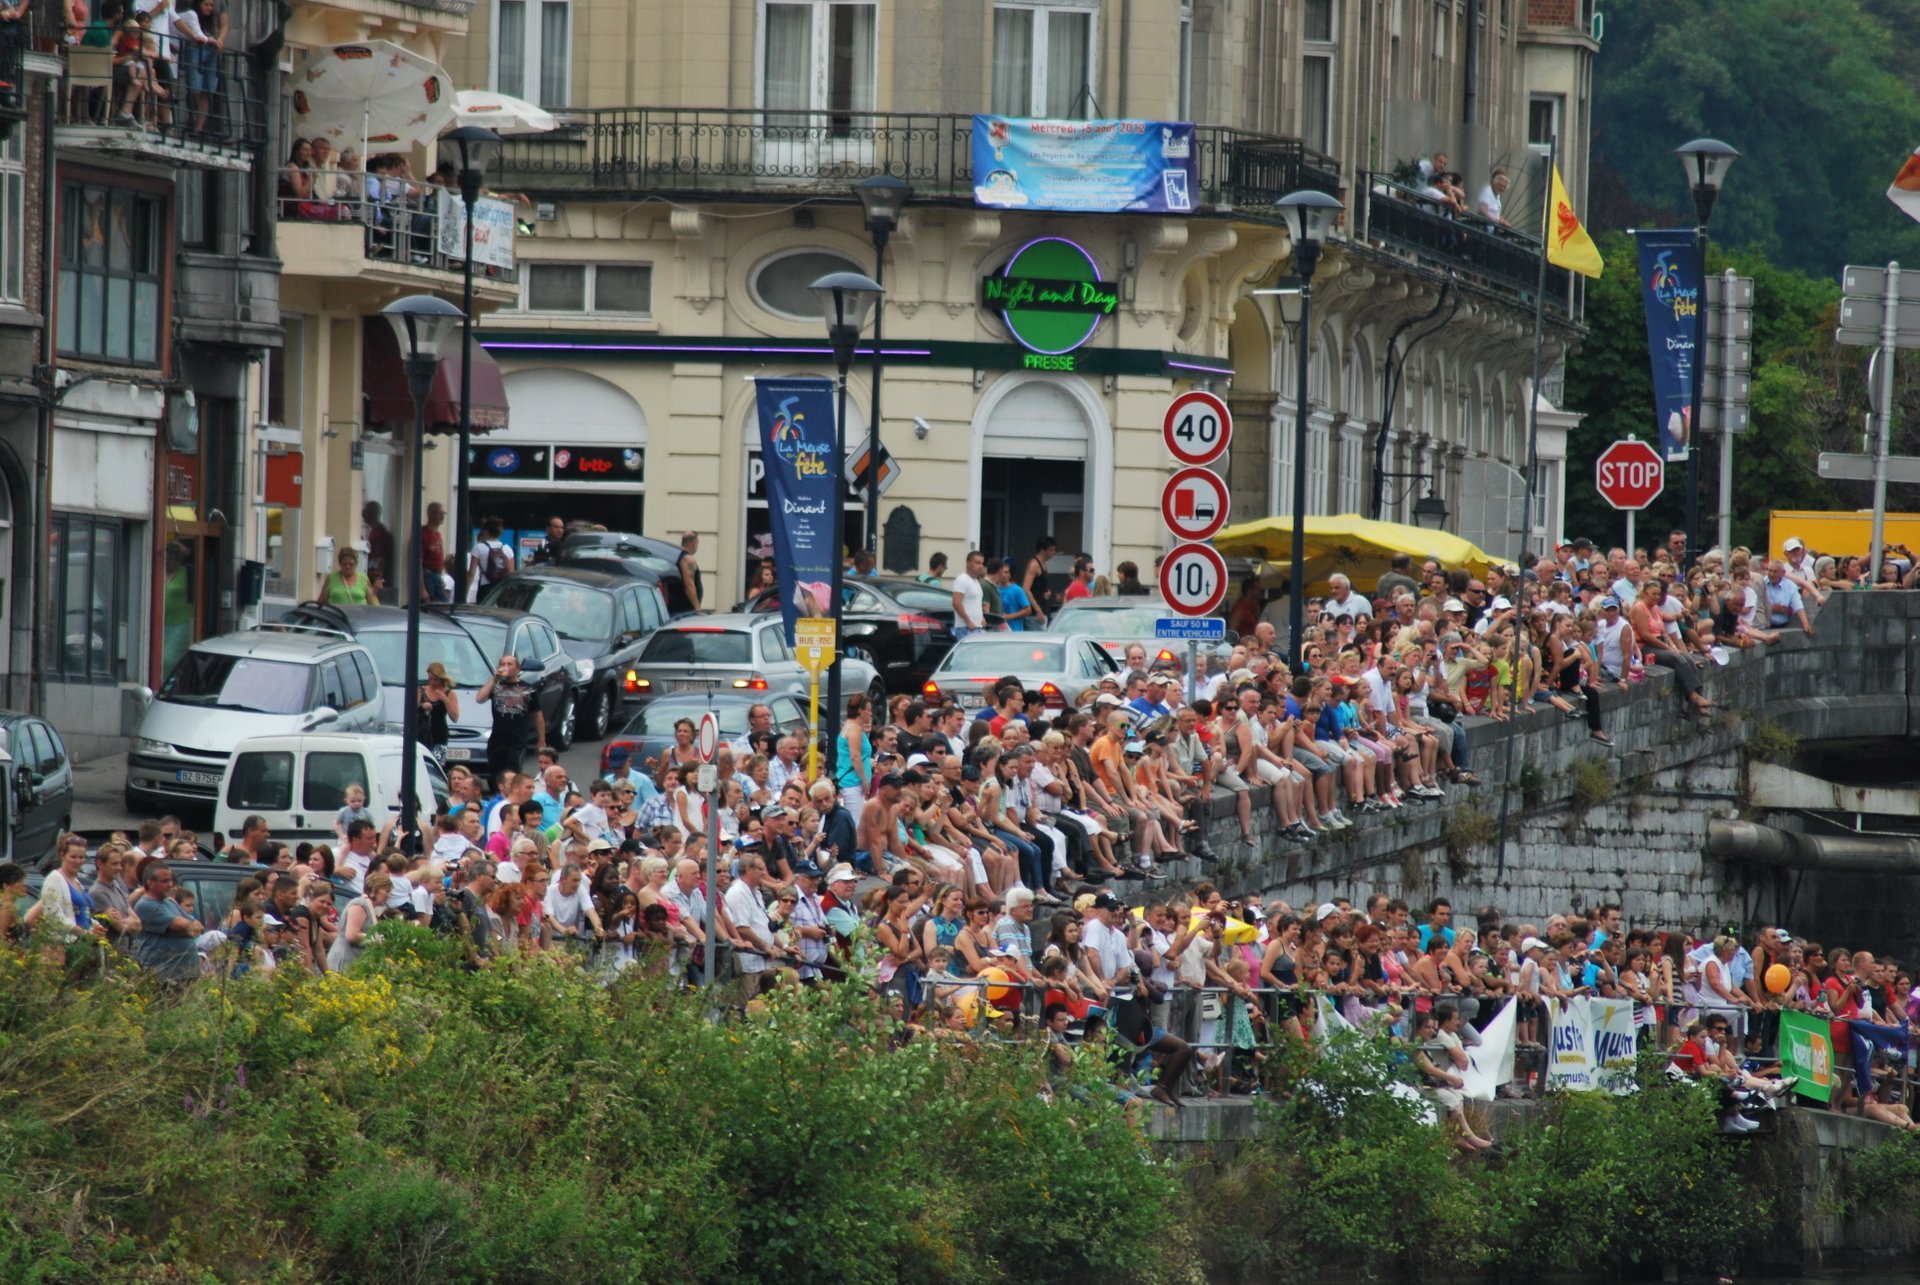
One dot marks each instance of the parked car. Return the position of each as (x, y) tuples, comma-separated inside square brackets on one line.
[(498, 631), (649, 733), (1058, 666), (736, 652), (625, 553), (299, 783), (40, 777), (600, 617), (384, 631), (1119, 621), (254, 683), (896, 624)]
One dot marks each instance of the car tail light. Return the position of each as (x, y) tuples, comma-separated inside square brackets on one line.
[(635, 684), (1050, 695), (930, 688), (753, 684), (915, 624)]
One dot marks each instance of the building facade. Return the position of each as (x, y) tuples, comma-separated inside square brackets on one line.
[(702, 179)]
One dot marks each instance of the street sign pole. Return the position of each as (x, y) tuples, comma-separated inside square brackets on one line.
[(1729, 341), (814, 642), (1889, 340)]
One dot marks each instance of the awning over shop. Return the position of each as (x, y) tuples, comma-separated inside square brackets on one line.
[(384, 377)]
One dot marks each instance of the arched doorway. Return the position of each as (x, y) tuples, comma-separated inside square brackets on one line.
[(577, 447), (1043, 464)]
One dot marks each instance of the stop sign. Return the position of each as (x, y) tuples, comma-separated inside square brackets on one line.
[(1630, 474)]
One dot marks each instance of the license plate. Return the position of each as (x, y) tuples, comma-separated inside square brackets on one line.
[(973, 702), (186, 777), (459, 754), (691, 685)]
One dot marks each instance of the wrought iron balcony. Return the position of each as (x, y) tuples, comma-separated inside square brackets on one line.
[(213, 117), (740, 154), (1401, 219)]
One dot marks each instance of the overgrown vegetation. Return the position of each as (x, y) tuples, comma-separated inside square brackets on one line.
[(411, 1122), (1767, 741), (1469, 826), (1884, 1179), (1589, 784)]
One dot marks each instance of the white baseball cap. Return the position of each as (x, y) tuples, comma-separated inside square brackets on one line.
[(1793, 542)]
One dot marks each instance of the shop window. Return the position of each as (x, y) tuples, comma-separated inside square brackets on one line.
[(88, 581), (110, 274)]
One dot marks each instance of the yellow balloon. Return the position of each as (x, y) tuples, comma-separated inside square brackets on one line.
[(1779, 977)]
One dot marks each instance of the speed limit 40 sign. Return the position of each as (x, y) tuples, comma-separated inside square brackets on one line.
[(1193, 579), (1197, 428)]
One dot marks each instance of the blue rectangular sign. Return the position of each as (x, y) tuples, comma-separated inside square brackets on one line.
[(1083, 166), (1670, 284), (1197, 629), (799, 454)]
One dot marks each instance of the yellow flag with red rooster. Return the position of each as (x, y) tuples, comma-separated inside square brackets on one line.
[(1568, 245)]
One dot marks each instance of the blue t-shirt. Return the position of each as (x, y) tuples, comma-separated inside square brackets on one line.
[(1426, 935), (1013, 598)]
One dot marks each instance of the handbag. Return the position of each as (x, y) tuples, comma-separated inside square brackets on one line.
[(1444, 710)]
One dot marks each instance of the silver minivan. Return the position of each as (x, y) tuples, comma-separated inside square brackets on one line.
[(258, 682)]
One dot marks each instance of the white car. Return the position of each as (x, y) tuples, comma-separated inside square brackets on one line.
[(298, 783)]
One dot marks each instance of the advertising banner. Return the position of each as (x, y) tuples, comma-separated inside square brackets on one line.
[(1610, 1035), (1083, 166), (1806, 1050), (797, 445), (1670, 288), (492, 230), (1570, 1045)]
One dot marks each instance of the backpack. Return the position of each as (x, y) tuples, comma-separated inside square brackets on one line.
[(497, 567)]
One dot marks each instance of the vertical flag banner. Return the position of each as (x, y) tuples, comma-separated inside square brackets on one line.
[(1670, 286), (797, 438), (1806, 1050), (1905, 191), (1568, 245)]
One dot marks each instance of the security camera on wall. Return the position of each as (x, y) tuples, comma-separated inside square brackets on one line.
[(921, 428)]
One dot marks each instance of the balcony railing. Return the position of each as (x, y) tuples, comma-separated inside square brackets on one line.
[(1401, 219), (743, 154), (197, 98), (402, 221)]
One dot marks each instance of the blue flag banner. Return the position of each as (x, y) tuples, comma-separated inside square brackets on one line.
[(1868, 1036), (798, 448), (1670, 285), (1083, 166)]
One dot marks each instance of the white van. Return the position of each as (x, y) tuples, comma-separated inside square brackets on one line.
[(299, 783), (259, 682)]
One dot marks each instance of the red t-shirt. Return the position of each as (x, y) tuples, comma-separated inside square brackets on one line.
[(1690, 1057), (1076, 589), (1841, 1033), (433, 550)]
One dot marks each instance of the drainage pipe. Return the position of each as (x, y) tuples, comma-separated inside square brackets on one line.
[(1848, 853)]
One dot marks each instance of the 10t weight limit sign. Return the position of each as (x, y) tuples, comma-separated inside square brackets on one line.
[(1193, 579)]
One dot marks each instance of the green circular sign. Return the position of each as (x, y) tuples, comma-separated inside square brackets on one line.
[(1050, 295)]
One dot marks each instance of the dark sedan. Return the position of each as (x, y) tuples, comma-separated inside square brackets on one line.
[(649, 734), (43, 784), (543, 662), (601, 618), (903, 628)]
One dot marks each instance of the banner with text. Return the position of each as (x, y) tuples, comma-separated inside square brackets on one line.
[(1670, 287), (1806, 1050), (1591, 1044), (797, 446), (492, 230), (1083, 166)]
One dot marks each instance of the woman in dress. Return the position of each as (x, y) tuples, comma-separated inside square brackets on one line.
[(358, 920)]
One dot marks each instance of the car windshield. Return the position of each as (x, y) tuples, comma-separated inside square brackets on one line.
[(574, 611), (1116, 622), (658, 718), (215, 681), (699, 647), (1005, 655), (488, 633), (923, 598), (466, 666)]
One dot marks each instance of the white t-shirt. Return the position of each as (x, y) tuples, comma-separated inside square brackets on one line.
[(1110, 944), (749, 915), (972, 617), (356, 867), (479, 550), (1613, 645), (570, 912), (1352, 609), (1488, 203), (1379, 691), (162, 28)]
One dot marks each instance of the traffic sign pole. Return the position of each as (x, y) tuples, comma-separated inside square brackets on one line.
[(1889, 340)]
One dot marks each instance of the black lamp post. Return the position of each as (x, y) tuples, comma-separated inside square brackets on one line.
[(1310, 217), (845, 300), (478, 146), (882, 197), (1706, 161), (1430, 512), (423, 324)]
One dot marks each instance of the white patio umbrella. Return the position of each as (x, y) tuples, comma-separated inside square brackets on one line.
[(386, 97), (502, 113)]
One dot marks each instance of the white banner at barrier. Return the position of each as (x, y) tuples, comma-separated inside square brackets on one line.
[(1490, 1062), (1569, 1045), (1592, 1044)]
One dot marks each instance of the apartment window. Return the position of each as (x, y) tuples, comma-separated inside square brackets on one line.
[(13, 221), (87, 575), (1183, 92), (533, 50), (782, 284), (110, 273), (588, 287), (1437, 49), (1316, 75), (1543, 119), (818, 56), (1319, 21), (1043, 61)]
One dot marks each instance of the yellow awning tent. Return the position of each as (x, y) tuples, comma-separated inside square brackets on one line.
[(1361, 548)]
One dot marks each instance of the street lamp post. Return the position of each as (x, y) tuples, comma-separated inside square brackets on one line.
[(423, 324), (477, 146), (1310, 217), (845, 300), (1706, 161), (1430, 512), (882, 196)]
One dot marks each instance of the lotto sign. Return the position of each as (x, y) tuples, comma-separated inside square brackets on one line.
[(1806, 1050), (1193, 579), (1194, 504), (1630, 474), (1197, 428)]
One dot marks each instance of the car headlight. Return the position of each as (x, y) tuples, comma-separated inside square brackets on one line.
[(583, 670), (147, 745)]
